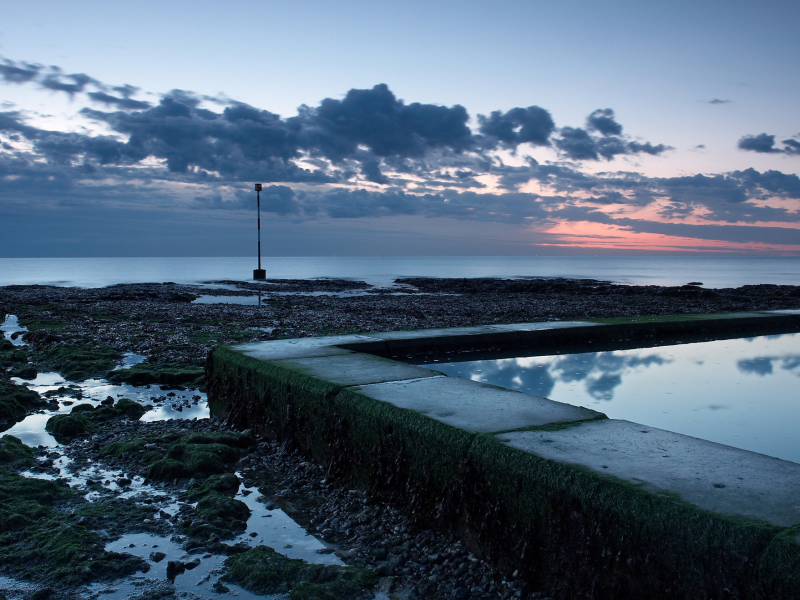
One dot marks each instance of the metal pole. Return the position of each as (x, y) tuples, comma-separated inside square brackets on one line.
[(259, 273)]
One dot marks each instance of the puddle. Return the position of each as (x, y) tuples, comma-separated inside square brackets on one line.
[(250, 300), (130, 359), (273, 528), (10, 327), (183, 404)]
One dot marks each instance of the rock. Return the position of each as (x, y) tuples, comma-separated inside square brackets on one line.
[(385, 569), (175, 568), (44, 593), (157, 557), (109, 401), (192, 564), (220, 588), (459, 593)]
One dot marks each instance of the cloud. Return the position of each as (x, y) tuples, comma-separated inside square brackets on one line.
[(370, 154), (577, 143), (533, 125), (718, 101), (602, 120), (73, 84), (124, 102), (765, 144), (18, 72)]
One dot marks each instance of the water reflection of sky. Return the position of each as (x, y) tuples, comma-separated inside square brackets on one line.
[(744, 392)]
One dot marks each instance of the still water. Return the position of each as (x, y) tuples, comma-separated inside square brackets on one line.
[(743, 392), (713, 271)]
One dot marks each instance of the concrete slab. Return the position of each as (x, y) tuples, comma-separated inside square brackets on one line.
[(709, 475), (479, 330), (355, 369), (301, 347), (472, 406), (542, 326), (420, 334)]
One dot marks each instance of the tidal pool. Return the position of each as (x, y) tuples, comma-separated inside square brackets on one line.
[(741, 392)]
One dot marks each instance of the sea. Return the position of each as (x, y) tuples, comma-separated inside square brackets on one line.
[(711, 271)]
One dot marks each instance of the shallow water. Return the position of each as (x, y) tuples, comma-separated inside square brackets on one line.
[(743, 393), (31, 430), (11, 326), (713, 271), (273, 528)]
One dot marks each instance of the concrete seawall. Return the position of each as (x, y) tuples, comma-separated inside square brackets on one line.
[(582, 505)]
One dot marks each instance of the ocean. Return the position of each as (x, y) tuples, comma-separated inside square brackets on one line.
[(713, 272)]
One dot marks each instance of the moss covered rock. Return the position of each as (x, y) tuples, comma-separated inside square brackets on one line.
[(226, 484), (263, 571), (28, 373), (133, 410), (69, 426), (167, 469), (16, 401), (84, 418), (14, 454)]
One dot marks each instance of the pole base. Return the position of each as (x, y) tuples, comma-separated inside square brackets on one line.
[(259, 274)]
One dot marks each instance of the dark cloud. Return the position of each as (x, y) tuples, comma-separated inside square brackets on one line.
[(718, 101), (602, 120), (762, 142), (73, 84), (791, 146), (124, 102), (424, 155), (647, 148), (577, 143), (376, 120), (532, 125), (765, 144), (18, 72)]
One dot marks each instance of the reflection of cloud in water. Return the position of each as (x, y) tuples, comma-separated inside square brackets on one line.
[(507, 373), (717, 406), (765, 365), (601, 372)]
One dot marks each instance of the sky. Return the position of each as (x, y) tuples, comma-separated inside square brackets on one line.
[(421, 128)]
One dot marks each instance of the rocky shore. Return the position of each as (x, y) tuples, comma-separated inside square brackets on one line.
[(192, 473)]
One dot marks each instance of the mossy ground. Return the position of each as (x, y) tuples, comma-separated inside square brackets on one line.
[(78, 361), (50, 535), (16, 401), (263, 571)]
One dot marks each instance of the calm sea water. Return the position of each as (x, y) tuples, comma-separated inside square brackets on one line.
[(714, 272), (741, 393)]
